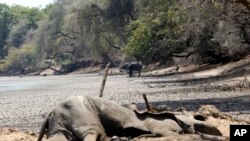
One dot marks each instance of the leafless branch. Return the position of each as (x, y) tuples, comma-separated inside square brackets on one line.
[(59, 34)]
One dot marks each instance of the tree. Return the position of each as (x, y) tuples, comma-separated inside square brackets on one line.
[(30, 15), (20, 61), (155, 35), (84, 29), (25, 19), (18, 33), (6, 19)]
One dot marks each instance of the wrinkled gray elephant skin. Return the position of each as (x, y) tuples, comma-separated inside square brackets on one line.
[(130, 67), (94, 119)]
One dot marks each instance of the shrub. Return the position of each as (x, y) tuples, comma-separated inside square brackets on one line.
[(20, 60)]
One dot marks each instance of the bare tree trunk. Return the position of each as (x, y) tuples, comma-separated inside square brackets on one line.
[(104, 79)]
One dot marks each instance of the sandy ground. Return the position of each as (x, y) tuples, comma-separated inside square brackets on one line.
[(26, 100), (16, 135)]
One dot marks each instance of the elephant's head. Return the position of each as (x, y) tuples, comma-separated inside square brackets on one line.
[(125, 66)]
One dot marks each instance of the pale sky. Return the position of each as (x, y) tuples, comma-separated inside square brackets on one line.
[(28, 3)]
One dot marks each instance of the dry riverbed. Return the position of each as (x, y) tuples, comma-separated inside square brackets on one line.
[(26, 100)]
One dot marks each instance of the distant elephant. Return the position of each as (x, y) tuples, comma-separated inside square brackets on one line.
[(130, 67)]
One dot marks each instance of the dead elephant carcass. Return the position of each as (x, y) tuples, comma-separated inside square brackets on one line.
[(94, 119)]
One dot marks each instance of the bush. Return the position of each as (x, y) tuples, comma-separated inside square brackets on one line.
[(20, 60), (140, 40), (156, 35), (64, 59)]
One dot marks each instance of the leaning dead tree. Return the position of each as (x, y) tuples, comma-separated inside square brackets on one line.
[(104, 79), (146, 102)]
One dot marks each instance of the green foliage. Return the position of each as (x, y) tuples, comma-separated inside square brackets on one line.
[(103, 31), (19, 59), (6, 19), (30, 15), (47, 9), (25, 19), (15, 22), (64, 59), (140, 40), (156, 31)]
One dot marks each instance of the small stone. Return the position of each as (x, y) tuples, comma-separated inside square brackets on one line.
[(31, 133)]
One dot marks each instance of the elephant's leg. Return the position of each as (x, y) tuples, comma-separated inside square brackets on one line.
[(58, 137), (139, 73), (94, 135), (130, 72), (90, 137), (90, 133)]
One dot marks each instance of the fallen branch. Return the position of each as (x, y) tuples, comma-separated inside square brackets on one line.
[(104, 79)]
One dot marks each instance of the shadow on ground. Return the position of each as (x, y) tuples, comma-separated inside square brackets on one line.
[(233, 104), (192, 81)]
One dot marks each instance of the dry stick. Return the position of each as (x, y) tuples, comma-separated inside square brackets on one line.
[(146, 102), (104, 79)]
